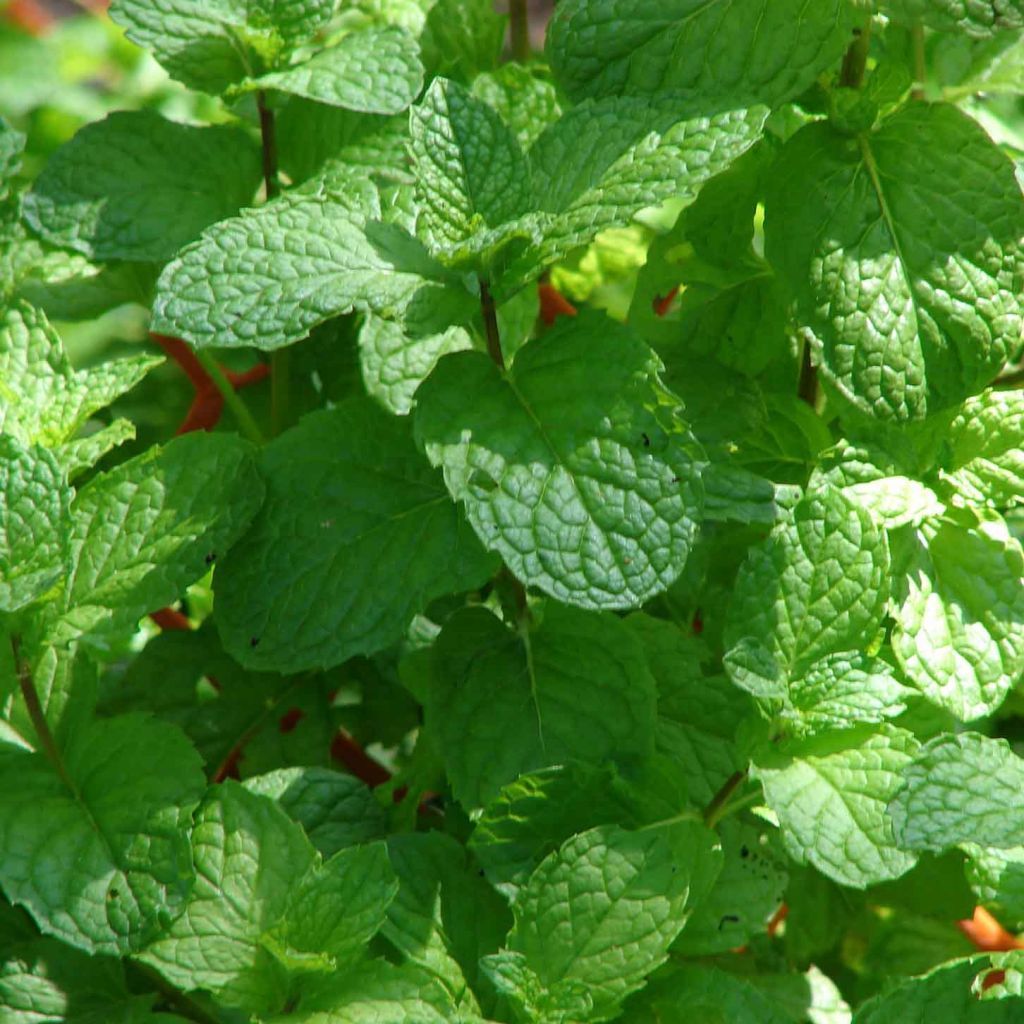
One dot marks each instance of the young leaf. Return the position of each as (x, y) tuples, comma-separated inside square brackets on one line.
[(136, 186), (960, 789), (526, 102), (830, 796), (268, 277), (720, 58), (959, 632), (265, 908), (147, 529), (377, 71), (462, 39), (574, 467), (816, 586), (471, 174), (911, 295), (604, 909), (43, 400), (973, 19), (350, 502), (504, 704), (97, 852), (34, 521)]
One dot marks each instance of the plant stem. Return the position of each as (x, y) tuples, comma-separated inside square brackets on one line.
[(490, 315), (178, 1001), (920, 71), (280, 389), (856, 60), (37, 715), (1012, 379), (807, 389), (231, 397), (268, 137), (519, 30), (715, 810)]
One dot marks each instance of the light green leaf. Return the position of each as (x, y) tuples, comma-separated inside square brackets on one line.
[(213, 45), (896, 500), (719, 56), (377, 71), (566, 1001), (136, 186), (986, 461), (624, 154), (745, 895), (471, 174), (572, 687), (268, 277), (904, 257), (148, 528), (374, 993), (997, 878), (334, 810), (394, 364), (12, 144), (959, 633), (34, 521), (830, 796), (574, 466), (356, 537), (816, 586), (43, 400), (83, 452), (978, 18), (960, 789), (99, 855), (264, 907), (527, 103), (604, 909), (843, 690), (461, 38), (943, 994)]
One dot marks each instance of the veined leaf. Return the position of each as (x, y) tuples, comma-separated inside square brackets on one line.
[(974, 18)]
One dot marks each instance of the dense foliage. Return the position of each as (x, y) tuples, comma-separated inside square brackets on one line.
[(587, 584)]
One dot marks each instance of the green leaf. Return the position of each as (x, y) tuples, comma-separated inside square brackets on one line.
[(997, 878), (377, 72), (394, 364), (718, 57), (960, 789), (34, 521), (503, 704), (567, 1000), (213, 45), (903, 255), (526, 102), (444, 917), (944, 994), (147, 529), (136, 186), (335, 810), (533, 815), (896, 500), (350, 504), (264, 907), (471, 174), (98, 853), (574, 466), (830, 796), (816, 586), (967, 16), (626, 154), (43, 400), (374, 993), (710, 995), (959, 633), (745, 896), (985, 463), (462, 38), (268, 277), (604, 909)]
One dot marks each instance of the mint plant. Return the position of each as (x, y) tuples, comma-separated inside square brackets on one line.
[(550, 550)]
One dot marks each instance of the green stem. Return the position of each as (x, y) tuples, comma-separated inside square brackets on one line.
[(519, 30), (280, 389), (856, 60), (175, 1000), (268, 138), (807, 389), (920, 71), (38, 716), (490, 315), (231, 398), (716, 810), (1009, 380)]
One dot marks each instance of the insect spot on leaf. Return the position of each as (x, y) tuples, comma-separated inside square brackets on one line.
[(647, 440), (744, 852), (210, 558), (113, 894), (728, 919), (254, 641)]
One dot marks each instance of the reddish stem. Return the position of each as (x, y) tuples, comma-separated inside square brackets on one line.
[(663, 303), (553, 304), (170, 619), (987, 934), (349, 753), (29, 15)]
